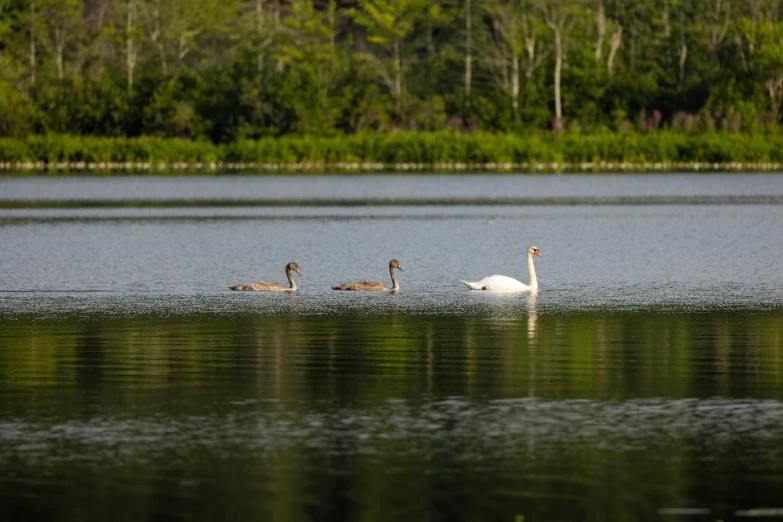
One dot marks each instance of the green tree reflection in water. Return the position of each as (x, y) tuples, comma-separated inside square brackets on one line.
[(373, 417)]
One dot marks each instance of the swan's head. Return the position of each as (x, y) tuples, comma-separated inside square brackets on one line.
[(395, 264), (533, 250), (293, 266)]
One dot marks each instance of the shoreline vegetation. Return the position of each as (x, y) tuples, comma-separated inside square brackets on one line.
[(364, 86), (445, 152)]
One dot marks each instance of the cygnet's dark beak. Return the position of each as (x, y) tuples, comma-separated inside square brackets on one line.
[(298, 272), (400, 268)]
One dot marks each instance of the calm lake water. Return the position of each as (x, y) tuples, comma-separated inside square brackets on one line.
[(644, 381)]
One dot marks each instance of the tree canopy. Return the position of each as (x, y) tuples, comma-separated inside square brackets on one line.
[(225, 70)]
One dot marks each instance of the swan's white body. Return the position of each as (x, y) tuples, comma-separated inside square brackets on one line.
[(500, 283)]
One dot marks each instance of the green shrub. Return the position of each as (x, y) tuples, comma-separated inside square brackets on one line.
[(426, 148)]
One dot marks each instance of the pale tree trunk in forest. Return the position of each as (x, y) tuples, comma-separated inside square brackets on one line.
[(667, 27), (131, 49), (468, 51), (32, 42), (741, 52), (775, 89), (718, 28), (60, 16), (332, 19), (511, 34), (259, 34), (267, 17), (667, 30), (614, 42), (99, 45), (397, 79), (617, 38), (500, 63), (558, 67), (683, 56), (156, 36), (534, 58), (280, 66), (59, 46), (183, 48), (532, 61), (333, 30), (755, 8), (78, 62), (515, 82), (530, 49), (683, 51), (601, 27), (559, 19)]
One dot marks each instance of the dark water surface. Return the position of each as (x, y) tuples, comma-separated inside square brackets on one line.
[(644, 381)]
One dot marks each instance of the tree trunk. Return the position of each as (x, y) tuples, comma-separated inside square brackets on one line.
[(59, 45), (397, 79), (468, 51), (157, 39), (667, 28), (741, 52), (332, 19), (333, 29), (515, 83), (775, 89), (183, 48), (32, 42), (719, 29), (617, 37), (601, 26), (131, 50), (557, 17), (280, 65), (683, 55), (667, 31), (532, 60), (558, 126), (259, 34), (683, 51)]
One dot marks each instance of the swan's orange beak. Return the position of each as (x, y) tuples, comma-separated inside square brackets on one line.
[(537, 253)]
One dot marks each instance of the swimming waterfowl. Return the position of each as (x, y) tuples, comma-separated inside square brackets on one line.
[(504, 283), (264, 286), (374, 285)]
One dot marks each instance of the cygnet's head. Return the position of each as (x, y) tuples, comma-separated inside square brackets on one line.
[(395, 264), (293, 266), (533, 250)]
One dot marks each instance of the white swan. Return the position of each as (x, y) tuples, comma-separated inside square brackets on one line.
[(509, 284)]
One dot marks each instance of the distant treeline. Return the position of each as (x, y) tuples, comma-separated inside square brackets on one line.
[(374, 151), (224, 71)]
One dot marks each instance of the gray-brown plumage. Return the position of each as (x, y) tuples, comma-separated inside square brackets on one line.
[(264, 286), (374, 285)]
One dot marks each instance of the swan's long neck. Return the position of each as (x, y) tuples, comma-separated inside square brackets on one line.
[(395, 284), (532, 269), (290, 278)]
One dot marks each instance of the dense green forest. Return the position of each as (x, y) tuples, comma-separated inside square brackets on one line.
[(228, 70)]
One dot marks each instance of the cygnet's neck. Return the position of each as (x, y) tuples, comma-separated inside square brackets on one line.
[(290, 278), (395, 284), (532, 269)]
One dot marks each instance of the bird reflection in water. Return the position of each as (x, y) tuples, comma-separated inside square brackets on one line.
[(532, 315)]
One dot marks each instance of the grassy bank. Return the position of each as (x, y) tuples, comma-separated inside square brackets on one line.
[(444, 151)]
